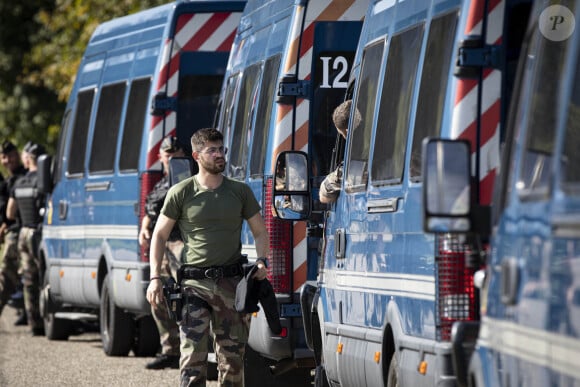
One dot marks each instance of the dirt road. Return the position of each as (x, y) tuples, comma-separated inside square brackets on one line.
[(80, 361)]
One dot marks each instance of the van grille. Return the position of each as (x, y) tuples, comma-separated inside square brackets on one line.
[(281, 243), (456, 295)]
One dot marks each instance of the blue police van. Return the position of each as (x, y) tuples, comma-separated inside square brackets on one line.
[(142, 77), (389, 293), (529, 333)]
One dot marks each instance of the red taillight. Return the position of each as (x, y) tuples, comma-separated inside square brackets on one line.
[(456, 295), (148, 181), (280, 232)]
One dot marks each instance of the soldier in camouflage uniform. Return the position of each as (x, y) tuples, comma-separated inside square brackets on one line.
[(26, 200), (168, 329), (209, 209), (9, 229)]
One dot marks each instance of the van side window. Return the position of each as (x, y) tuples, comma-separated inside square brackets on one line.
[(134, 121), (397, 93), (544, 62), (571, 153), (358, 155), (246, 104), (260, 136), (78, 147), (61, 147), (197, 101), (227, 118), (106, 131), (434, 79)]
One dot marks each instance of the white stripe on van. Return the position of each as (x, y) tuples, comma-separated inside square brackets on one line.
[(546, 349), (192, 27), (463, 117), (108, 231), (420, 287), (222, 33)]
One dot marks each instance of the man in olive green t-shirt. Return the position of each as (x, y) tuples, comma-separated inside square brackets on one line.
[(209, 210)]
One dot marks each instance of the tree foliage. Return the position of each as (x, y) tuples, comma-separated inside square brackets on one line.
[(41, 45)]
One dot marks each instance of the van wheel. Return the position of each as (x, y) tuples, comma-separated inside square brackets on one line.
[(116, 325), (55, 328), (256, 371), (393, 377), (146, 342)]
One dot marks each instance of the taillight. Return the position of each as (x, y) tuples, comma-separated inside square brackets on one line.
[(456, 295), (148, 181), (280, 232)]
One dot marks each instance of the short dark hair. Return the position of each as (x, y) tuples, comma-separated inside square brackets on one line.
[(7, 147), (341, 114), (203, 136)]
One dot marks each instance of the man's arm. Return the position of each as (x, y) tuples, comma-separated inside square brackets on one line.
[(260, 233), (11, 209), (161, 233), (330, 187)]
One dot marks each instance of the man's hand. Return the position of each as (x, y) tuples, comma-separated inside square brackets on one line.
[(155, 293), (261, 273), (145, 233)]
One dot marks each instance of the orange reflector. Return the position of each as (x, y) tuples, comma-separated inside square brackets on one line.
[(339, 348), (61, 273), (93, 274), (423, 367), (377, 357), (128, 277), (255, 314)]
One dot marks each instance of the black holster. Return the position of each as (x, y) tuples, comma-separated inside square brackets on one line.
[(173, 299)]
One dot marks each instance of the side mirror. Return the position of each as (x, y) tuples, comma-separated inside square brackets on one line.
[(291, 191), (181, 168), (44, 165), (446, 185)]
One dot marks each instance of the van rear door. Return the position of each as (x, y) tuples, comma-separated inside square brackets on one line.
[(200, 80)]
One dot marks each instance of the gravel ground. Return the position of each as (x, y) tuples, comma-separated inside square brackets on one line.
[(80, 361)]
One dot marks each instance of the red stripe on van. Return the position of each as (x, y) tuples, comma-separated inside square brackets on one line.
[(490, 120), (206, 31), (299, 276), (486, 187), (228, 42)]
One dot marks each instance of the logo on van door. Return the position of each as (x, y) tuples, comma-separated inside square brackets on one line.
[(557, 23)]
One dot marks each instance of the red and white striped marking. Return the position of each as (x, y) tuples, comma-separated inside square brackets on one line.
[(194, 32), (318, 10), (465, 109)]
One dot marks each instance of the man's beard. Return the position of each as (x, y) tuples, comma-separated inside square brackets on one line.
[(213, 168)]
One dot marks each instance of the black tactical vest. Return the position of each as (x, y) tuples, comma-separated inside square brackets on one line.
[(29, 200)]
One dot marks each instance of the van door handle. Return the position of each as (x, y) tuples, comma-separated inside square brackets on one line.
[(566, 226), (62, 209), (510, 281), (339, 243), (99, 186), (382, 205)]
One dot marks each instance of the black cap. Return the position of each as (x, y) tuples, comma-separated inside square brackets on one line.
[(34, 149), (7, 147), (170, 144)]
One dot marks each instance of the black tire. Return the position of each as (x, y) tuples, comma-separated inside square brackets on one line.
[(393, 376), (256, 371), (116, 325), (146, 343), (55, 328)]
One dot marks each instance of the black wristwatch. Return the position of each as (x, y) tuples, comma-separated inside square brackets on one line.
[(264, 260)]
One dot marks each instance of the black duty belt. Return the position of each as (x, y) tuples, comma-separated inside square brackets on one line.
[(212, 272)]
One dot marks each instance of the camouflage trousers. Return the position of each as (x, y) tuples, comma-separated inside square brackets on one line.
[(210, 310), (167, 327), (28, 241), (10, 268)]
